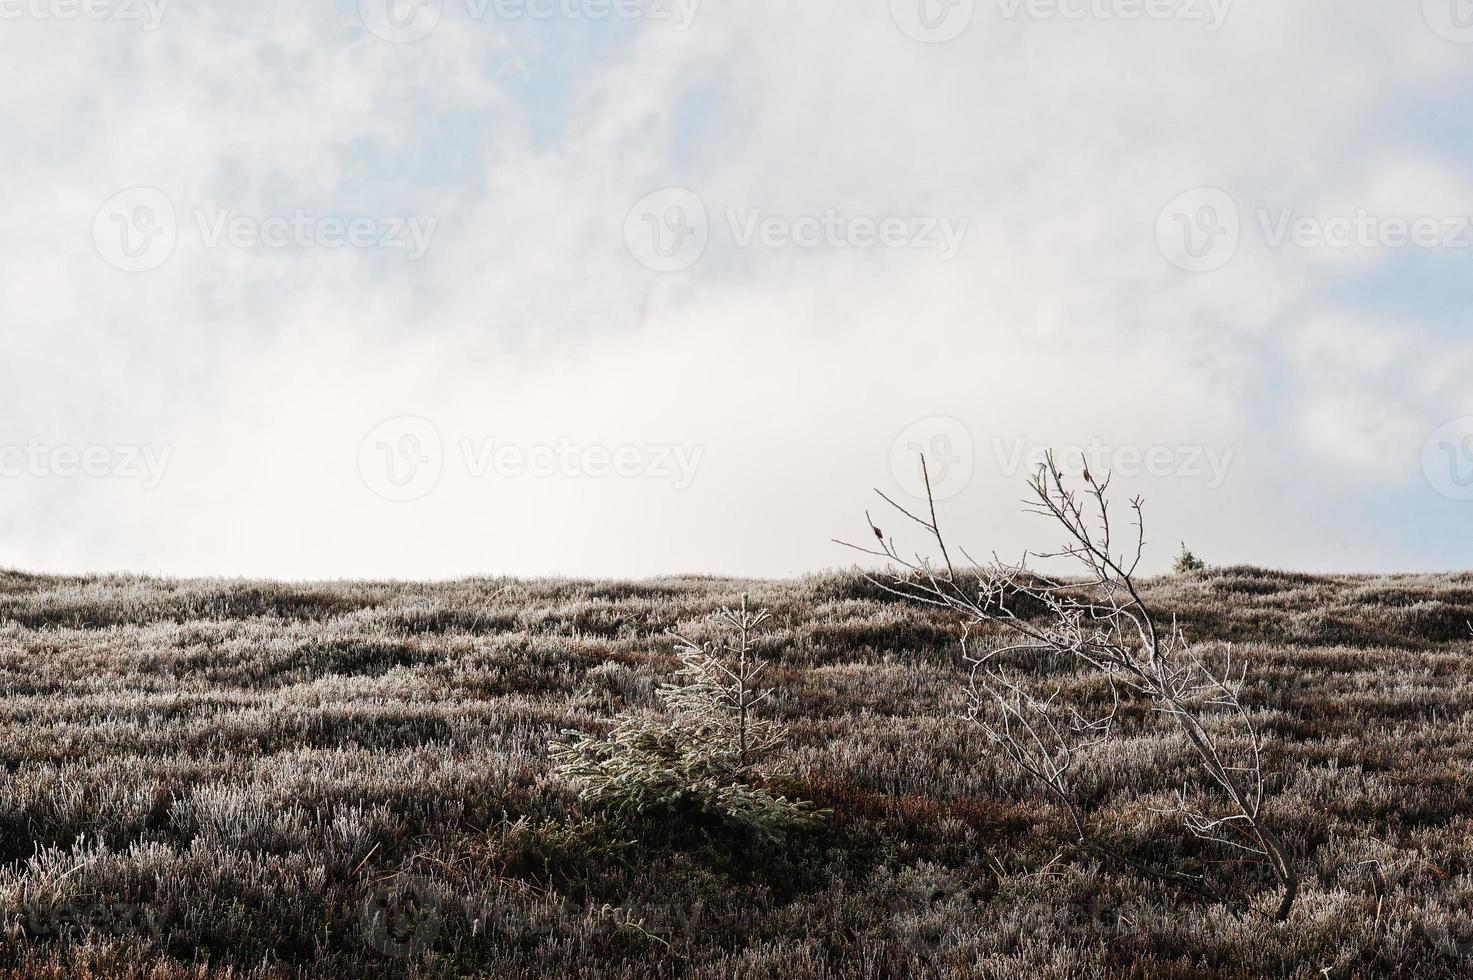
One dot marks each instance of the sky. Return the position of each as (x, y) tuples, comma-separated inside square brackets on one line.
[(394, 289)]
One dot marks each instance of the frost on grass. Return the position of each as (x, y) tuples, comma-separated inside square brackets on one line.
[(251, 780)]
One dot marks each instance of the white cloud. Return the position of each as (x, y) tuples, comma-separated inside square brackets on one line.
[(1361, 435), (1058, 322), (1336, 342)]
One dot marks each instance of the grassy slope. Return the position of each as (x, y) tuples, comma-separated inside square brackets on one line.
[(231, 778)]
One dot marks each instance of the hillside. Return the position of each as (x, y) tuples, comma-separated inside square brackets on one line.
[(235, 779)]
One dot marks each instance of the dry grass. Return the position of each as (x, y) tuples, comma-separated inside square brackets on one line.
[(208, 779)]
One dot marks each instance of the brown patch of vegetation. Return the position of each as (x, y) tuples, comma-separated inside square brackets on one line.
[(237, 779)]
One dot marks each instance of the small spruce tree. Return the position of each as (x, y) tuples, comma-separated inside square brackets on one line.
[(704, 755), (1187, 562)]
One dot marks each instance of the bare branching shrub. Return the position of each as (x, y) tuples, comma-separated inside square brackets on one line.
[(705, 754), (1100, 624)]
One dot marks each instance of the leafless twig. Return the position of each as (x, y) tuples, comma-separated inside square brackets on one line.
[(1100, 622)]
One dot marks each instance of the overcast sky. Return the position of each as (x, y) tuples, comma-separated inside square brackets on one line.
[(606, 287)]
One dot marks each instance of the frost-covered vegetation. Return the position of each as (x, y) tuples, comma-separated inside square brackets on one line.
[(207, 779), (705, 760)]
